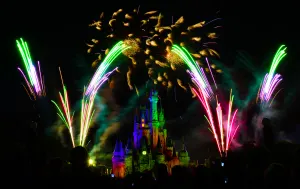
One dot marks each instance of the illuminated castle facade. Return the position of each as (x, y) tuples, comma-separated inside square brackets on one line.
[(149, 145)]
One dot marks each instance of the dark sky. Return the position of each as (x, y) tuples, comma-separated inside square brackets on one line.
[(57, 31)]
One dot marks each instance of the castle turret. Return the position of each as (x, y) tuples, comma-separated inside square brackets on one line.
[(154, 117), (128, 157), (118, 160), (183, 155)]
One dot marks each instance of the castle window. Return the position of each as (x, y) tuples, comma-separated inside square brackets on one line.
[(143, 122)]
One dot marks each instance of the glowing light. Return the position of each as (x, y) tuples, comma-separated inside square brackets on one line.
[(92, 162), (144, 152)]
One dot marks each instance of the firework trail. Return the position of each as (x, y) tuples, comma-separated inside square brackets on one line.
[(87, 112), (101, 75), (65, 113), (97, 79), (209, 68), (34, 79), (196, 72), (224, 130), (271, 80), (87, 108)]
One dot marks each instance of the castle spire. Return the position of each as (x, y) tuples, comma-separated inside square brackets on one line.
[(118, 160), (128, 148), (174, 151), (161, 116), (136, 116), (183, 145), (118, 151)]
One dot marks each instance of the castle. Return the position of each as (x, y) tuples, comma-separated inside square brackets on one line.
[(149, 145)]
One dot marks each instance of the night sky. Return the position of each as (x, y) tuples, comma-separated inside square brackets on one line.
[(57, 32)]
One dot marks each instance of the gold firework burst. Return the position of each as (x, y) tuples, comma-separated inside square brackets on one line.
[(174, 59), (134, 47)]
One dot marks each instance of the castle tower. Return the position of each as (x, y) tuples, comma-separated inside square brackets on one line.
[(145, 156), (183, 155), (136, 130), (144, 125), (160, 157), (154, 117), (118, 163), (141, 127), (162, 134), (128, 157), (173, 162)]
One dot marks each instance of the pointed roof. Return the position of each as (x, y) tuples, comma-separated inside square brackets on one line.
[(161, 115), (174, 152), (183, 149), (118, 148), (129, 145)]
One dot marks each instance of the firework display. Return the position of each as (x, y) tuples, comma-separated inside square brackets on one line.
[(271, 79), (226, 132), (34, 80), (151, 40), (162, 49)]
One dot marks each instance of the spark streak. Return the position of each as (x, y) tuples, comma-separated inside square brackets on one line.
[(226, 131), (65, 115), (34, 80), (272, 79), (87, 110), (196, 72), (96, 81)]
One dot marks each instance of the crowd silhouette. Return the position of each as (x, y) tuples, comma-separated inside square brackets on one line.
[(267, 165)]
